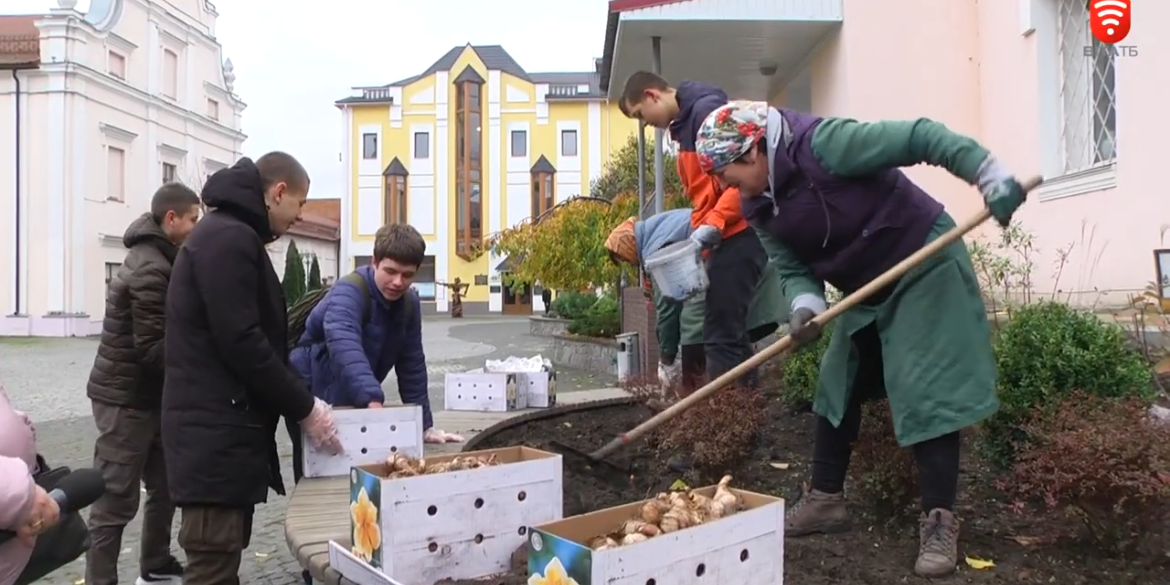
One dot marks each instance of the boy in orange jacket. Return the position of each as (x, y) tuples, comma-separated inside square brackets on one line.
[(736, 259)]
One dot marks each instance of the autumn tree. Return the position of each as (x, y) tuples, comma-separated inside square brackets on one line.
[(565, 248), (620, 174)]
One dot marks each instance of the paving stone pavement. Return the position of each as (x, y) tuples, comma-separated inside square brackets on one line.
[(46, 378)]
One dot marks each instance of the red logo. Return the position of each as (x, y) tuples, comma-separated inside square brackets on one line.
[(1109, 20)]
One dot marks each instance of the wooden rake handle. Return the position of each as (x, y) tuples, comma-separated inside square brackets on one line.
[(785, 343)]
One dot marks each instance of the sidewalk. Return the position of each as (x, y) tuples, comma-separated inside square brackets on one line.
[(469, 424)]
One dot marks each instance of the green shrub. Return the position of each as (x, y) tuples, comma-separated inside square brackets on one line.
[(802, 370), (572, 305), (1046, 352), (884, 474), (600, 319)]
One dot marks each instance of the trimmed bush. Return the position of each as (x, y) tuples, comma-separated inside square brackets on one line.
[(884, 474), (1105, 460), (802, 370), (719, 433), (599, 320), (572, 305), (1046, 352)]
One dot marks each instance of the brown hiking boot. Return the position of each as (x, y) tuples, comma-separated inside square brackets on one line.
[(938, 544), (817, 513)]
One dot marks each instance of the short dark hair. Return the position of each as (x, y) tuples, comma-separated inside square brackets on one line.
[(637, 85), (175, 197), (276, 167), (401, 243)]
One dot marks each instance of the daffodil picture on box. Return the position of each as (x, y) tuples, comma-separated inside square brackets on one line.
[(553, 560), (554, 574), (365, 498)]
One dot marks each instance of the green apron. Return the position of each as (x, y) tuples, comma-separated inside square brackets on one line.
[(939, 371)]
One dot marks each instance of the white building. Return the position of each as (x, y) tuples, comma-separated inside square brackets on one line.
[(96, 111)]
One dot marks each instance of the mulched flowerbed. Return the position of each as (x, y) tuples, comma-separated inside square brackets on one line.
[(1024, 549)]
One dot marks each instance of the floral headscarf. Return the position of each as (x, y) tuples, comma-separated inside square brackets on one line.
[(729, 132), (621, 243)]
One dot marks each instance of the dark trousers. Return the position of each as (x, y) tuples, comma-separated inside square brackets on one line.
[(214, 540), (734, 269), (128, 452), (298, 450), (694, 369), (937, 458)]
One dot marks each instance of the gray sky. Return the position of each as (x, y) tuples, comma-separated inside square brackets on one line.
[(293, 62)]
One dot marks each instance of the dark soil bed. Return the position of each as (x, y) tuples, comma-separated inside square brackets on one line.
[(870, 554)]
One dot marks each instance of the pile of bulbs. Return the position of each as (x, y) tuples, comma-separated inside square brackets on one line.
[(399, 465), (671, 512)]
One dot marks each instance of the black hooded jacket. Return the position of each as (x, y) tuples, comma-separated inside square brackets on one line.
[(128, 369), (227, 375)]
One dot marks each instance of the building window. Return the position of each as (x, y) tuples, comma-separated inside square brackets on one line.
[(468, 165), (422, 145), (369, 146), (169, 172), (519, 143), (543, 196), (116, 65), (170, 78), (424, 279), (1087, 92), (568, 143), (212, 109), (394, 199), (115, 174), (359, 261), (111, 272)]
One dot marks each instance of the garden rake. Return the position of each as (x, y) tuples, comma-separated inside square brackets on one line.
[(596, 460)]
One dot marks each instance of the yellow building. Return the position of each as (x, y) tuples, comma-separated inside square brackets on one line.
[(470, 146)]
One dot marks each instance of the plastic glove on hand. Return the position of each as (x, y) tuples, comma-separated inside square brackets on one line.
[(669, 374), (802, 328), (706, 236), (433, 435), (1001, 191), (321, 428)]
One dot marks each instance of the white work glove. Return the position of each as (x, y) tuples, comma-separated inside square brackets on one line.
[(433, 435), (321, 428), (706, 236), (669, 374)]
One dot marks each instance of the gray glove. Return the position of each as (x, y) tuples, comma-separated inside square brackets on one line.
[(706, 236), (802, 328), (1003, 194)]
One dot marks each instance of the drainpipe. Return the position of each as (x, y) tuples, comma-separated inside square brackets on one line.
[(659, 181), (16, 192)]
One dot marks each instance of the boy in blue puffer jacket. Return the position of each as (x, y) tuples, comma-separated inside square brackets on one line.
[(358, 332)]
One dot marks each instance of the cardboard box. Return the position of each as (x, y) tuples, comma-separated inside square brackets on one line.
[(369, 436), (484, 392), (540, 387), (355, 569), (456, 525), (746, 548)]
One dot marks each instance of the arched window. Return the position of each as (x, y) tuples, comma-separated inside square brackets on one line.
[(468, 161)]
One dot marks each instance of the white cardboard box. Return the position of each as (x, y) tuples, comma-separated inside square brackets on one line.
[(455, 525), (746, 548), (369, 435), (484, 392), (540, 387), (355, 569)]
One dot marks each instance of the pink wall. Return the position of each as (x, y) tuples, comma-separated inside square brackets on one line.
[(969, 64)]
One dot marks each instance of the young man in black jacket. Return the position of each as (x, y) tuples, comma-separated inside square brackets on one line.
[(125, 386), (228, 379)]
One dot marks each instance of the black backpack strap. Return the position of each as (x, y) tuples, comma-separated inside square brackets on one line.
[(355, 278)]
